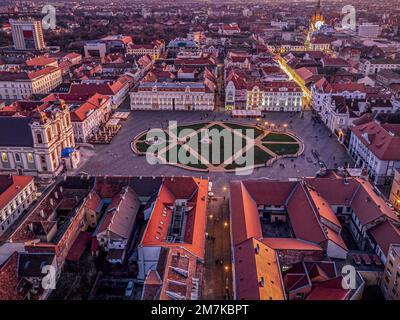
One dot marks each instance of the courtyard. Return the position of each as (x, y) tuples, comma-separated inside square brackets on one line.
[(117, 157)]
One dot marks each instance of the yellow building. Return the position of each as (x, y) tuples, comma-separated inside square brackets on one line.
[(394, 197)]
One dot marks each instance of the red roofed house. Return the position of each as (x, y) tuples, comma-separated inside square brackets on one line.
[(87, 113), (54, 223), (321, 89), (177, 276), (16, 194), (115, 229), (314, 281), (229, 29), (376, 147), (42, 61), (27, 83), (176, 219), (117, 90), (299, 221)]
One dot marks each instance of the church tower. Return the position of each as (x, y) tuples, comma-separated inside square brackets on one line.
[(317, 20)]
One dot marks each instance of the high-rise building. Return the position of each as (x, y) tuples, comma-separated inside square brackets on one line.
[(369, 30), (27, 34)]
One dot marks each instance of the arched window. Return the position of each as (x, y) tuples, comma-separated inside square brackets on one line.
[(17, 157), (39, 137)]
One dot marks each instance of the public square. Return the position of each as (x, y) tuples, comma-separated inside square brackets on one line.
[(117, 158)]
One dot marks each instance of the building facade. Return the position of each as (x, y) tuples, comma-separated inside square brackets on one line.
[(27, 34), (20, 85), (186, 96), (33, 145), (390, 282), (394, 197), (16, 194), (375, 147), (275, 96)]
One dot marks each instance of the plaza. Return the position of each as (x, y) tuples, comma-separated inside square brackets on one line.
[(117, 158), (217, 146)]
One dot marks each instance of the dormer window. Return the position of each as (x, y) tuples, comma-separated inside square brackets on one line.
[(262, 282)]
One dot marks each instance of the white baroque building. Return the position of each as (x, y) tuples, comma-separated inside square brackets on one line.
[(16, 194), (184, 96)]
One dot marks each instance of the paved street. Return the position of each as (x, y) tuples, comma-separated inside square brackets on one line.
[(217, 282)]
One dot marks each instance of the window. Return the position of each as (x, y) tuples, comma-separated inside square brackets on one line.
[(39, 137), (30, 157), (4, 157), (17, 157)]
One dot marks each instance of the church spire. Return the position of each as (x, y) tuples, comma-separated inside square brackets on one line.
[(318, 8)]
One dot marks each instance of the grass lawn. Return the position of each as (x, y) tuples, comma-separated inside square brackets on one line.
[(142, 146), (260, 157), (281, 149), (280, 137), (195, 126), (257, 131), (221, 148)]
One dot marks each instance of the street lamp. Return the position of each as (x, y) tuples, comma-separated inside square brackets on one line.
[(224, 188), (226, 224)]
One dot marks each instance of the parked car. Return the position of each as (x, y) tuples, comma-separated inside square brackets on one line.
[(129, 289)]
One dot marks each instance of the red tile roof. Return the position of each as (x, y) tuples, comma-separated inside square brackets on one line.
[(257, 272), (385, 234), (290, 244), (382, 140), (11, 186), (195, 191)]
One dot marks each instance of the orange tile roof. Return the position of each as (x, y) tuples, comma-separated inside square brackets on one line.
[(257, 272), (383, 141), (195, 191), (290, 244), (10, 186)]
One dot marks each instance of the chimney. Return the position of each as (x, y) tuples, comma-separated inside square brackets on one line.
[(42, 213)]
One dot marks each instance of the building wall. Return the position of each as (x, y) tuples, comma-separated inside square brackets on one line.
[(274, 101), (12, 210), (394, 197), (44, 158), (390, 282), (17, 30), (147, 259), (172, 100)]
